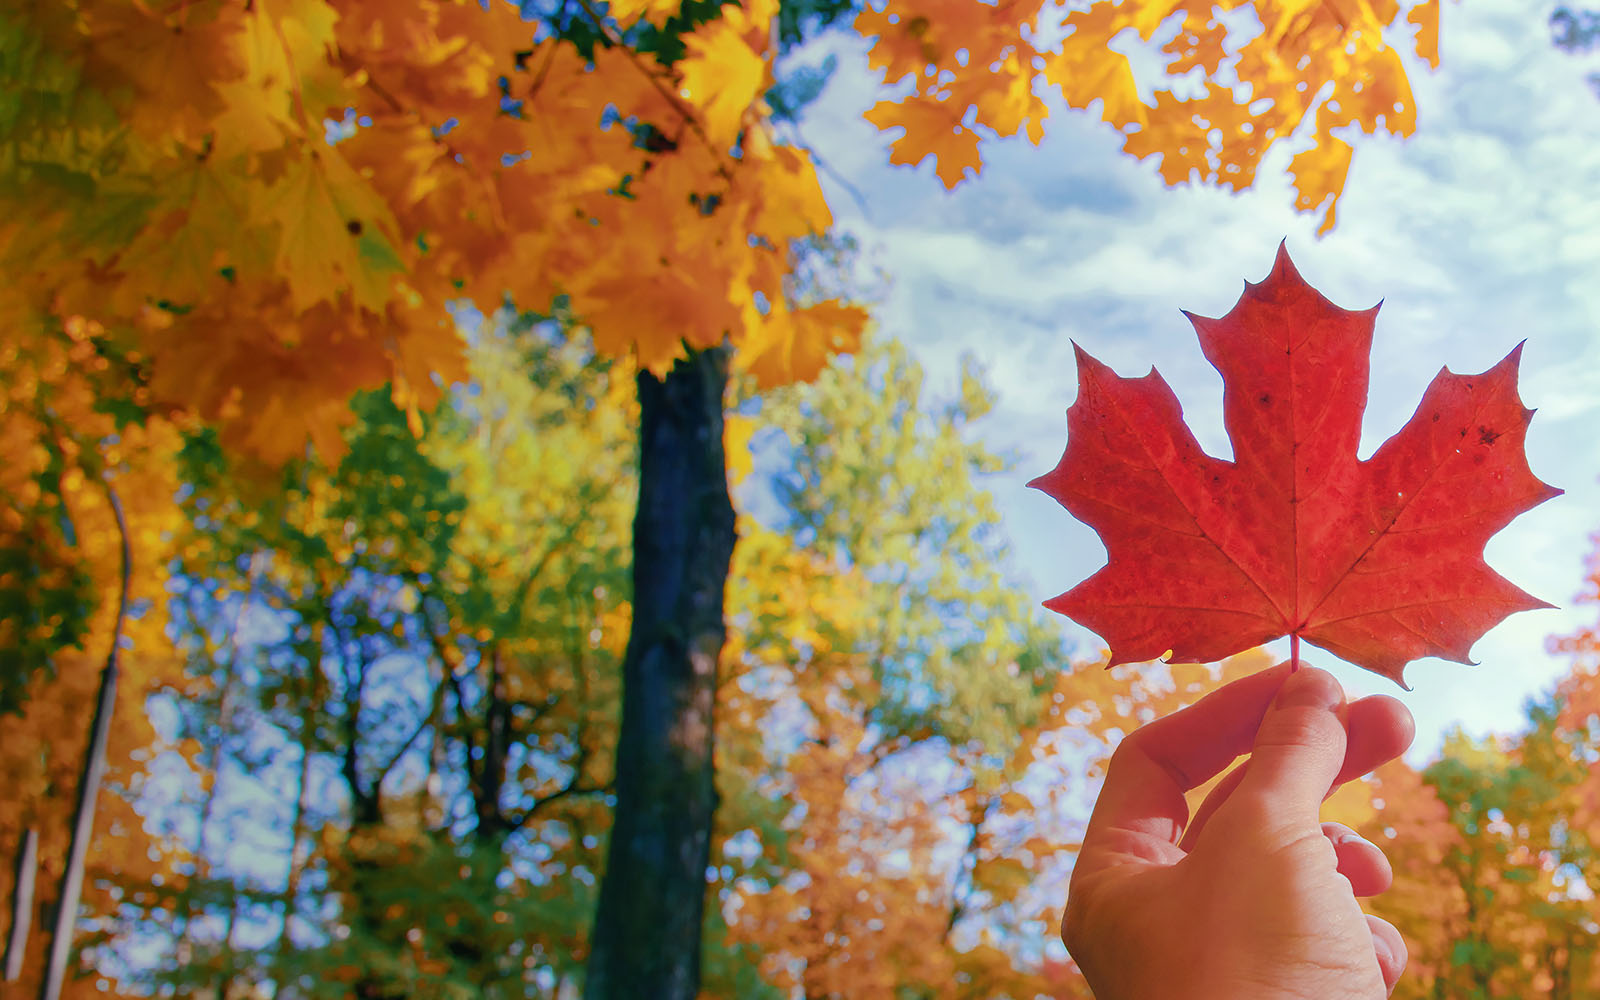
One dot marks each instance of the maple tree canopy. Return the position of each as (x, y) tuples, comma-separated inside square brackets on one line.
[(973, 67), (1379, 562)]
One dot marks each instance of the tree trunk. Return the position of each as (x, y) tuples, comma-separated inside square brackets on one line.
[(94, 770), (646, 939), (22, 903)]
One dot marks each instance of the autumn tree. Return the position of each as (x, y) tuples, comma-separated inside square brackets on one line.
[(1490, 844), (931, 758), (881, 491), (395, 620), (253, 212), (85, 499), (339, 629), (433, 658)]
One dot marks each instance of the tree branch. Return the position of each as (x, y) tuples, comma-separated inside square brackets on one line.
[(661, 88), (94, 769), (22, 903)]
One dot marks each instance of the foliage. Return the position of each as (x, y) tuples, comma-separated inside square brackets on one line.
[(440, 643), (236, 230), (1490, 855), (167, 171), (951, 645), (78, 428), (975, 67), (1576, 30), (1377, 561), (411, 670), (1493, 847)]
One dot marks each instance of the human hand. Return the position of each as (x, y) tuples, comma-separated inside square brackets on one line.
[(1255, 899)]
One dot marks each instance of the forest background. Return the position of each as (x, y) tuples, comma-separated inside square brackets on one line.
[(379, 594)]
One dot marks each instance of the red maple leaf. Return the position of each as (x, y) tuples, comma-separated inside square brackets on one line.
[(1378, 562)]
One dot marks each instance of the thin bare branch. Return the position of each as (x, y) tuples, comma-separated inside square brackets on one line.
[(94, 768)]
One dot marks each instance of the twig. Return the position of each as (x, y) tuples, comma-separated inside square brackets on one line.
[(843, 181), (660, 87)]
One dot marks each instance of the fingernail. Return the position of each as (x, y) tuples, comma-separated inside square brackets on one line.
[(1380, 947), (1307, 688), (1353, 837)]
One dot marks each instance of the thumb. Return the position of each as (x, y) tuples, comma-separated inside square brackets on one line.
[(1299, 748)]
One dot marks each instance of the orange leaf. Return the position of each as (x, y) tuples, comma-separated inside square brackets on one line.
[(1319, 174), (1008, 104), (722, 75), (1087, 71), (932, 128), (1425, 16), (792, 202), (794, 346), (655, 11)]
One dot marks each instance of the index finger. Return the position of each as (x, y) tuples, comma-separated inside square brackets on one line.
[(1142, 800)]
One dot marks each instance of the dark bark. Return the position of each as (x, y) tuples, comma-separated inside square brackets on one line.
[(486, 775), (646, 938)]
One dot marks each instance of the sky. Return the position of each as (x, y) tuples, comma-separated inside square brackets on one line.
[(1480, 231)]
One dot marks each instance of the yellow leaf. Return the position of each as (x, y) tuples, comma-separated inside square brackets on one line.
[(1384, 97), (256, 119), (932, 128), (1425, 16), (204, 227), (285, 56), (1086, 71), (1105, 18), (655, 11), (1170, 134), (722, 75), (794, 345), (736, 433), (1004, 876), (1008, 103), (1319, 175), (792, 202), (332, 233)]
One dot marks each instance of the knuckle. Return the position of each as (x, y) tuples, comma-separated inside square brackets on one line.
[(1077, 919), (1309, 728)]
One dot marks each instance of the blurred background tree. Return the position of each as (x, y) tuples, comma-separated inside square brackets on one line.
[(1575, 30), (384, 550)]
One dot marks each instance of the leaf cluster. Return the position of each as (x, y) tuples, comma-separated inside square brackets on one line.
[(1268, 71)]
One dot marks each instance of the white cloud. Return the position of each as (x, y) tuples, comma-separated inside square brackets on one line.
[(1479, 232)]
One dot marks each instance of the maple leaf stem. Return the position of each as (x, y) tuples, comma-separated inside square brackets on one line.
[(1294, 651)]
